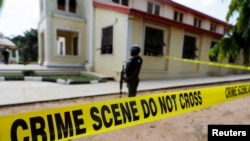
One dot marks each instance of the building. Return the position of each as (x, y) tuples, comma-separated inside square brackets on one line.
[(97, 34), (10, 47)]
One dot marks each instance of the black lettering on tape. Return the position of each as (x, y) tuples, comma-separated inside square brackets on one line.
[(145, 108), (186, 97), (94, 115), (191, 99), (16, 124), (167, 103), (78, 122), (37, 125), (114, 114), (231, 91), (153, 107), (51, 127), (200, 98), (64, 128), (149, 107), (134, 110), (196, 98), (243, 89), (105, 109), (182, 101), (126, 112)]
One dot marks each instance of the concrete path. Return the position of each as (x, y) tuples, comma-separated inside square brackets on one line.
[(17, 92)]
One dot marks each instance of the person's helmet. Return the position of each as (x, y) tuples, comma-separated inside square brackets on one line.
[(135, 50)]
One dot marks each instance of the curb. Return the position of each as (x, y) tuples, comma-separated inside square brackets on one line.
[(41, 79)]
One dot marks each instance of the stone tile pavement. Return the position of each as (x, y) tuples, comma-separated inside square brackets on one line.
[(17, 92)]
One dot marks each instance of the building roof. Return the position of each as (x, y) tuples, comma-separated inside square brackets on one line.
[(195, 12), (170, 22), (6, 43), (167, 21)]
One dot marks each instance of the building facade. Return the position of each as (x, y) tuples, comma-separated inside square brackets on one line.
[(97, 34)]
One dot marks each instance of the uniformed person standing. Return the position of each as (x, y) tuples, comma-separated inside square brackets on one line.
[(132, 70), (6, 55)]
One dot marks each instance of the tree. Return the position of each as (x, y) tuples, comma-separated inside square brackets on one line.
[(237, 39), (31, 44), (28, 45), (1, 3)]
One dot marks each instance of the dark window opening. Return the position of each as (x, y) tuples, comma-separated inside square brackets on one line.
[(72, 6), (178, 16), (153, 44), (157, 10), (213, 27), (107, 40), (61, 4), (122, 2), (153, 8), (213, 58), (189, 47), (150, 7), (116, 1), (175, 15), (75, 46), (125, 2), (197, 22)]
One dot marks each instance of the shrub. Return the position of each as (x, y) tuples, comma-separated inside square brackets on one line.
[(28, 73)]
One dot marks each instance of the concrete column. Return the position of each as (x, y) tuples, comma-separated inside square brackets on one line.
[(128, 30), (17, 56), (90, 35), (48, 40)]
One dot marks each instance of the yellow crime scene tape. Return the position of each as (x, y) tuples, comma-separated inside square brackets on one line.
[(232, 66), (87, 119)]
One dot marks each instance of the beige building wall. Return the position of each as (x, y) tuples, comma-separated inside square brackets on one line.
[(71, 26), (160, 67), (153, 67), (110, 64), (206, 43)]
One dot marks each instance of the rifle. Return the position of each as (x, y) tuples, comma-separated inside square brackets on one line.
[(121, 79)]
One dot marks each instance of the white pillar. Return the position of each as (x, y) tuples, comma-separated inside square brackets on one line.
[(129, 36), (17, 56), (90, 35)]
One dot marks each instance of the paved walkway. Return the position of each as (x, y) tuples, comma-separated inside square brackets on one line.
[(17, 92)]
